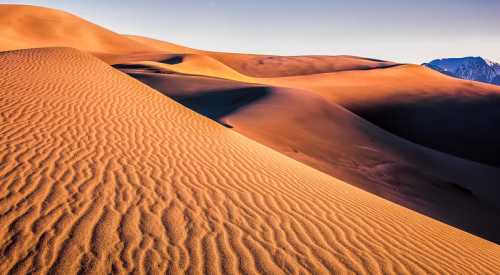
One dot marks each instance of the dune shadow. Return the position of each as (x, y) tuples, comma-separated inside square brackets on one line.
[(214, 103), (381, 67), (217, 104), (140, 67), (128, 66), (173, 60), (465, 126)]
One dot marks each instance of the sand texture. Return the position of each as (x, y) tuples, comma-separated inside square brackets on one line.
[(100, 173), (121, 154)]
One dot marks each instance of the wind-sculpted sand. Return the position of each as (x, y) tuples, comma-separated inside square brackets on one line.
[(329, 138), (101, 174)]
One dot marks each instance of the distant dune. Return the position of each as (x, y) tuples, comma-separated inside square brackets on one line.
[(254, 65), (236, 163), (277, 66)]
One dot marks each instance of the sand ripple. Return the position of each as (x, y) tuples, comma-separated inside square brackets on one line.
[(101, 174)]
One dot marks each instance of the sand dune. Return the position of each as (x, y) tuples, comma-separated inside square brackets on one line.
[(197, 64), (23, 26), (326, 137), (279, 66), (418, 104), (254, 65), (410, 101), (101, 174), (133, 182), (336, 141)]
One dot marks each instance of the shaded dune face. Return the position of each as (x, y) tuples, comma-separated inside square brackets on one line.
[(450, 115), (136, 183), (329, 138), (464, 125)]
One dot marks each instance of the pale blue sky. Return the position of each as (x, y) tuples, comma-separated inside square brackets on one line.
[(404, 31)]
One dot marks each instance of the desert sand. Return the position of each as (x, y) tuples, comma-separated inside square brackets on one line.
[(103, 174), (217, 163)]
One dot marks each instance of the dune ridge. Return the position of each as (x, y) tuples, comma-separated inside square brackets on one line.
[(25, 26), (134, 182)]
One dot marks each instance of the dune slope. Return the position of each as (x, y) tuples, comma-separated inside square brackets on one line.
[(328, 137), (280, 66), (23, 26), (101, 174), (450, 115)]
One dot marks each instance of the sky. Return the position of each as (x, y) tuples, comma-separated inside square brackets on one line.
[(399, 30)]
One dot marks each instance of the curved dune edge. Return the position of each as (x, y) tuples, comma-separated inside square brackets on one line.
[(26, 26), (197, 64), (100, 173)]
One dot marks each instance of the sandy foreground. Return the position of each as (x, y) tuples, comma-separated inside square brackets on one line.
[(102, 174)]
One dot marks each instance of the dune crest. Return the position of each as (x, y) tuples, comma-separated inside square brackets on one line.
[(134, 182), (24, 26)]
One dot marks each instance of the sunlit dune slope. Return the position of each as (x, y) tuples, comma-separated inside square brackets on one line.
[(196, 64), (328, 137), (397, 83), (23, 26), (254, 65), (102, 174), (451, 115), (276, 66)]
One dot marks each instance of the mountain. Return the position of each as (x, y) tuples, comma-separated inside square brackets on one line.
[(470, 68)]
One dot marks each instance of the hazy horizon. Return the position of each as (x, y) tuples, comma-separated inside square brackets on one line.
[(402, 31)]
